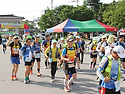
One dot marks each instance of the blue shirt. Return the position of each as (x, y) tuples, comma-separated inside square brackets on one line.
[(79, 44), (27, 51), (45, 41), (119, 43), (4, 41), (36, 47), (114, 72)]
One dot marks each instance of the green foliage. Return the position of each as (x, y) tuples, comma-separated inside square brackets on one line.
[(114, 14)]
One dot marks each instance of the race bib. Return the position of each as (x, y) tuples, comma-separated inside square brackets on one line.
[(15, 51), (28, 59), (37, 55), (117, 86)]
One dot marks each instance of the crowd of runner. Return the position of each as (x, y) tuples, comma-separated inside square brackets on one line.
[(68, 54)]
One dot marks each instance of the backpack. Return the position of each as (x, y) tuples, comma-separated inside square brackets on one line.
[(46, 43), (25, 48), (57, 53)]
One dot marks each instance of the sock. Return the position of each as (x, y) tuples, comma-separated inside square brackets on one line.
[(27, 77), (94, 64), (38, 70), (31, 68), (91, 63), (46, 63), (65, 82), (71, 80)]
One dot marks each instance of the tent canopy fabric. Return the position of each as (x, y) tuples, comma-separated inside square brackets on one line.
[(81, 26)]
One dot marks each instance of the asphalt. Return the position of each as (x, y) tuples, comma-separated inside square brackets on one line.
[(86, 82)]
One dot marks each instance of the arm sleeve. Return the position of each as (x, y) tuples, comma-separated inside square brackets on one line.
[(98, 46), (43, 42), (47, 51), (101, 68)]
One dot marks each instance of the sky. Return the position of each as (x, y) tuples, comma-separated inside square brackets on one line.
[(32, 9)]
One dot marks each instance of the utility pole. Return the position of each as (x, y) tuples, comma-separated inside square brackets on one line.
[(51, 4)]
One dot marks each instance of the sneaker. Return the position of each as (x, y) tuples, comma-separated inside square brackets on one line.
[(12, 77), (79, 70), (94, 68), (66, 89), (52, 80), (28, 80), (15, 77), (46, 68), (90, 66), (39, 74), (25, 82), (72, 83), (31, 71), (69, 86), (124, 79)]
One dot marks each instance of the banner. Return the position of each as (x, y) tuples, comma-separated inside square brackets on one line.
[(12, 25)]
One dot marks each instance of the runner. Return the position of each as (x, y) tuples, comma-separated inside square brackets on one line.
[(36, 51), (93, 54), (82, 48), (78, 53), (4, 40), (45, 44), (27, 52), (101, 54), (121, 42), (14, 46), (61, 47), (109, 71), (53, 56), (69, 55)]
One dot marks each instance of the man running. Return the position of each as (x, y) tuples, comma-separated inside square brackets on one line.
[(4, 40), (69, 55), (14, 46), (27, 52), (53, 56), (45, 44), (36, 51)]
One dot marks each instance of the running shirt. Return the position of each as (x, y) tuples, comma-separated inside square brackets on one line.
[(46, 43), (37, 47), (79, 44), (119, 43), (54, 59), (4, 41), (114, 72), (27, 53), (83, 44), (15, 49)]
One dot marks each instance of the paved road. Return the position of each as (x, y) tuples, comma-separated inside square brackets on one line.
[(86, 82)]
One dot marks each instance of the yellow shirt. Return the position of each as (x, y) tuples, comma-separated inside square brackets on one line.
[(54, 59)]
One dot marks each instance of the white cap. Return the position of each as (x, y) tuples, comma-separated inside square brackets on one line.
[(61, 38), (54, 41), (77, 37), (120, 51)]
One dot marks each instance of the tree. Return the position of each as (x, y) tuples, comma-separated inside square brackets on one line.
[(114, 15)]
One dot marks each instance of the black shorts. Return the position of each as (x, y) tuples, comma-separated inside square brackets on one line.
[(47, 55), (111, 91), (93, 56), (4, 46), (28, 63), (37, 59), (72, 70)]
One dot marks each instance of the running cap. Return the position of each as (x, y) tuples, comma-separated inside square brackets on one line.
[(54, 41), (120, 51)]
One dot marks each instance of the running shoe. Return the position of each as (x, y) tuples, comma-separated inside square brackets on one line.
[(31, 71), (25, 82), (15, 77), (39, 74), (90, 66), (52, 80), (69, 86), (66, 89), (12, 77), (94, 68), (124, 79)]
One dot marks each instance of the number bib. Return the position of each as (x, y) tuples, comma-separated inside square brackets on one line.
[(15, 51), (37, 55), (117, 86), (28, 59)]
